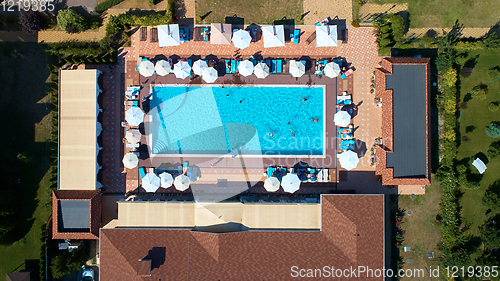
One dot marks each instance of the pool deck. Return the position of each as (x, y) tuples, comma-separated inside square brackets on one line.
[(254, 165)]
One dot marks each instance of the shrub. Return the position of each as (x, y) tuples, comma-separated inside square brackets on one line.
[(152, 2), (65, 262), (494, 72), (450, 77), (200, 19), (71, 21), (491, 41), (384, 50), (493, 106), (461, 60), (450, 135), (494, 149), (94, 25), (170, 11), (398, 26), (30, 21), (443, 62), (386, 28), (466, 72), (467, 45), (355, 23), (384, 42), (493, 130), (450, 106), (480, 92), (470, 129), (490, 233), (101, 7), (426, 40)]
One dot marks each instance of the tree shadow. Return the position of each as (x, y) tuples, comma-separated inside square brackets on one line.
[(205, 15)]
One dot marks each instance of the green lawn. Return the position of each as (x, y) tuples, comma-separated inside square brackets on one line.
[(477, 114), (443, 13), (26, 129), (421, 232), (252, 11)]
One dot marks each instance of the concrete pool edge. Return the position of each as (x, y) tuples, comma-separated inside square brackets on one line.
[(150, 117)]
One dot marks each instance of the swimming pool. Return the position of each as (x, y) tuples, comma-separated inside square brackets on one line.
[(253, 120)]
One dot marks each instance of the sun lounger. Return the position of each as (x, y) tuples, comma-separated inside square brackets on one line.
[(347, 73), (233, 66), (276, 66), (326, 177), (347, 145), (270, 171), (206, 32), (346, 136), (131, 103), (194, 173), (253, 34), (237, 64), (228, 69), (296, 36), (344, 99), (142, 172), (190, 62), (311, 38), (132, 145)]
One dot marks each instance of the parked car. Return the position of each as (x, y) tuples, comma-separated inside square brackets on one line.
[(87, 274)]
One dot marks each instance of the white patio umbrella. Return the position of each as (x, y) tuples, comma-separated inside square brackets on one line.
[(181, 182), (274, 36), (332, 70), (342, 119), (261, 70), (130, 160), (134, 116), (168, 35), (98, 129), (182, 69), (241, 39), (210, 74), (199, 66), (146, 68), (290, 183), (348, 159), (166, 180), (272, 184), (162, 68), (245, 68), (133, 136), (326, 36), (150, 182), (297, 68)]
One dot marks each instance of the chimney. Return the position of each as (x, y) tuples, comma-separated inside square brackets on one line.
[(144, 267)]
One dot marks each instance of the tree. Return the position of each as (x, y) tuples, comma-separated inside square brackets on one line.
[(30, 21), (494, 72), (494, 149), (71, 21), (398, 26), (493, 130), (479, 92), (491, 198), (66, 262), (490, 232), (491, 41), (493, 106)]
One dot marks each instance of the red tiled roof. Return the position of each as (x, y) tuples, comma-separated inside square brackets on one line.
[(387, 174), (352, 234), (95, 213)]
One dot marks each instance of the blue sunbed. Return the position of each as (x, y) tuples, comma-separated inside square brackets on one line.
[(347, 145), (143, 59), (233, 66), (236, 66), (142, 172), (186, 32), (279, 67), (296, 36), (273, 66), (205, 33), (270, 171), (190, 62)]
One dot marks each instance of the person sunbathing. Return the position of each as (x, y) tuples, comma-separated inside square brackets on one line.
[(228, 66)]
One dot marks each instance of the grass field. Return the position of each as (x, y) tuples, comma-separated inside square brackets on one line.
[(477, 114), (26, 128), (252, 11), (443, 13), (420, 231)]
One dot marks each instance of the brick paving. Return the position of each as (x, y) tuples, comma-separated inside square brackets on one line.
[(321, 9)]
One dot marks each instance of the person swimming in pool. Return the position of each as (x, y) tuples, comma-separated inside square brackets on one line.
[(303, 99), (293, 135), (270, 134)]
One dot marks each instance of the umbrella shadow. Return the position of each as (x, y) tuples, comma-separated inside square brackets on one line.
[(360, 148)]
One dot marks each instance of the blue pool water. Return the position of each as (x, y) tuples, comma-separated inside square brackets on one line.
[(221, 120)]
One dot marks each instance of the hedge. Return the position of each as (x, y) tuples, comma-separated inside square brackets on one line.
[(106, 5)]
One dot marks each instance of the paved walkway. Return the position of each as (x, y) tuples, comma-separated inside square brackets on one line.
[(17, 36), (318, 10)]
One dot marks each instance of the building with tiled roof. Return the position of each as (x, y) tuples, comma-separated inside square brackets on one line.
[(76, 214), (403, 86), (351, 234)]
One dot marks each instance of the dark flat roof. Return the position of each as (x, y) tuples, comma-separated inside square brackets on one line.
[(74, 216), (408, 83)]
